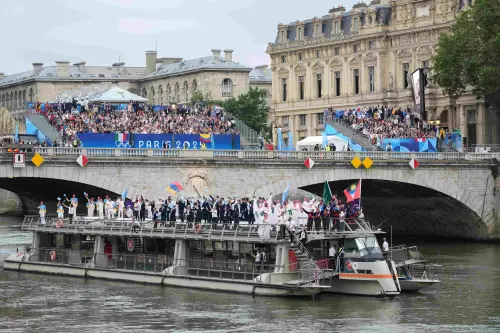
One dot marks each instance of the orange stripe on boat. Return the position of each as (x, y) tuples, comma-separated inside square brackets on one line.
[(366, 276)]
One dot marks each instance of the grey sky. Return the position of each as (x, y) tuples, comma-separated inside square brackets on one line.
[(101, 32)]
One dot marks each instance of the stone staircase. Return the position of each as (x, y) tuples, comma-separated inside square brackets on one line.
[(344, 129), (45, 127)]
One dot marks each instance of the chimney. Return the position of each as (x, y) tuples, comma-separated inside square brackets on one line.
[(62, 68), (80, 65), (37, 66), (151, 61), (216, 55), (228, 55), (1, 75)]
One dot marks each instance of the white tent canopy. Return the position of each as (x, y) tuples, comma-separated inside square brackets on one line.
[(311, 141), (118, 95)]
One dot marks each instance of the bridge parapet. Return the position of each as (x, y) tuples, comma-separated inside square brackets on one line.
[(55, 152)]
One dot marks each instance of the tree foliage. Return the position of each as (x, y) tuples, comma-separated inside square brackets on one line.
[(251, 108), (470, 54)]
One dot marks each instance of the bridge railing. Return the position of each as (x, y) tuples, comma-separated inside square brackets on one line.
[(252, 154)]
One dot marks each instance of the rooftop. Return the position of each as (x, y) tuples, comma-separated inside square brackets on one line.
[(261, 74)]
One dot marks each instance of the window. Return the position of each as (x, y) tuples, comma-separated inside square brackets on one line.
[(286, 121), (138, 73), (101, 75), (336, 28), (337, 83), (318, 86), (371, 78), (301, 88), (336, 51), (319, 118), (371, 44), (318, 53), (406, 74), (392, 43), (299, 34), (355, 24), (300, 57), (356, 81), (302, 120), (283, 86), (91, 75), (355, 48), (227, 87), (425, 66), (283, 59), (282, 36)]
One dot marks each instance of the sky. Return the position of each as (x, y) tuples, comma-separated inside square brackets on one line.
[(102, 32)]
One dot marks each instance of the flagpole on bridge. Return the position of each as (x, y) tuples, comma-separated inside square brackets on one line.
[(360, 209)]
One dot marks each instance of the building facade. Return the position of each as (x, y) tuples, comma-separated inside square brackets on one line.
[(162, 81), (363, 57)]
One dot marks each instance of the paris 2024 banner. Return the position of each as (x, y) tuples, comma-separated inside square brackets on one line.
[(159, 141)]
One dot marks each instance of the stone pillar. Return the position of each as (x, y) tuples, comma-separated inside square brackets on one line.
[(282, 260), (481, 124), (180, 256), (35, 244), (462, 116)]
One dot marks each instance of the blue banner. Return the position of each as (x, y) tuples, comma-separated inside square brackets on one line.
[(156, 141), (406, 145)]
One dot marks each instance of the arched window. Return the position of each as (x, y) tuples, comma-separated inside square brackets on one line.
[(14, 102), (24, 98), (185, 89), (169, 93), (160, 94), (11, 100), (20, 98), (227, 88), (144, 93), (30, 95), (152, 95), (2, 100), (177, 95), (443, 117), (194, 86)]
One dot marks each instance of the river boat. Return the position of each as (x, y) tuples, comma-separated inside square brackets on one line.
[(209, 256), (414, 272)]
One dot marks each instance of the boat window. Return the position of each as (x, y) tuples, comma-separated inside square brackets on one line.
[(368, 246)]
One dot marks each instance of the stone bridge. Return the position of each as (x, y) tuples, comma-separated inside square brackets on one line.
[(448, 195)]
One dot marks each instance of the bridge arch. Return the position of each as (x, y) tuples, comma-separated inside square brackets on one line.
[(478, 211), (46, 183)]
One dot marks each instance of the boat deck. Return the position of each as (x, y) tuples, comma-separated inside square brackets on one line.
[(243, 232)]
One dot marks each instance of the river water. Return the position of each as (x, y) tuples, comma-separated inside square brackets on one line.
[(468, 300)]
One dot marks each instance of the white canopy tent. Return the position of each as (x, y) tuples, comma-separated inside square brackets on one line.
[(118, 95), (311, 141)]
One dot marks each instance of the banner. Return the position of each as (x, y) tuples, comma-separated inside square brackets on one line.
[(155, 141), (407, 145)]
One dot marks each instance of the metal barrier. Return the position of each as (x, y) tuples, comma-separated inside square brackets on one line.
[(346, 156)]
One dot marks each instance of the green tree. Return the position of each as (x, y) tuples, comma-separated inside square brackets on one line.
[(469, 55), (251, 108)]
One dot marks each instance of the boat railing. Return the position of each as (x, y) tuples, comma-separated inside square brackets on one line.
[(423, 271), (402, 254)]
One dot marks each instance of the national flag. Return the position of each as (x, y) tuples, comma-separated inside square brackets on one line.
[(327, 193), (82, 160), (205, 138), (124, 194), (285, 194), (16, 134), (309, 163), (290, 140), (420, 139), (174, 187), (353, 192), (120, 137), (414, 163)]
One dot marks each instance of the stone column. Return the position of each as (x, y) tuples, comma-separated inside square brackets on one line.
[(282, 260), (327, 82), (180, 256), (481, 124)]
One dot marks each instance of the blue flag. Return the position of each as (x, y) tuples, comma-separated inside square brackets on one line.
[(324, 142), (329, 130), (212, 141), (124, 195), (16, 134), (285, 194), (290, 140)]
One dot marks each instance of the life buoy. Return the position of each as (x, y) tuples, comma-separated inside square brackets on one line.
[(349, 265), (53, 255), (197, 228), (59, 223), (130, 245)]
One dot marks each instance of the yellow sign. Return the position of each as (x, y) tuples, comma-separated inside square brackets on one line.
[(367, 162), (37, 160), (356, 162)]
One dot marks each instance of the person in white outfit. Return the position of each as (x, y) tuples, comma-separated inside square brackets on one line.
[(291, 225), (148, 210), (42, 210), (109, 209), (120, 205), (385, 247), (100, 208)]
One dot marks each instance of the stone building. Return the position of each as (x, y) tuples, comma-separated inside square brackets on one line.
[(363, 57), (162, 81)]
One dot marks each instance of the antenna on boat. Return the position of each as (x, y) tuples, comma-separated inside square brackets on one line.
[(391, 241)]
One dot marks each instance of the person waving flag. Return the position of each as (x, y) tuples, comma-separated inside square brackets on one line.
[(353, 192)]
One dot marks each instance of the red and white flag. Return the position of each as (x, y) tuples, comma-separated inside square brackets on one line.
[(82, 160), (420, 139), (414, 163), (309, 163)]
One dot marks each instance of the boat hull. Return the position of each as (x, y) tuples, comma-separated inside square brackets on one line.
[(192, 282), (416, 284)]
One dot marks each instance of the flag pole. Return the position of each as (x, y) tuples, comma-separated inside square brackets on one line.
[(360, 209)]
